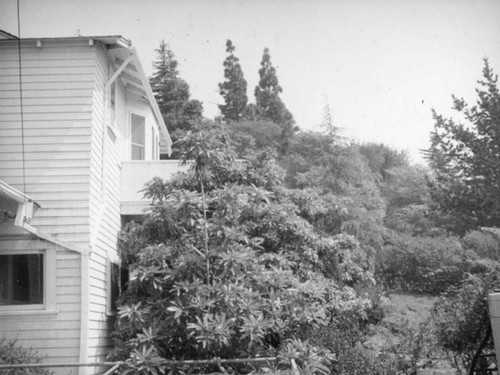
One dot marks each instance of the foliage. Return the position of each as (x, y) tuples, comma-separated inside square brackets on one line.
[(250, 137), (11, 354), (172, 94), (466, 161), (421, 264), (381, 158), (407, 195), (461, 316), (484, 243), (228, 264), (234, 88), (268, 103)]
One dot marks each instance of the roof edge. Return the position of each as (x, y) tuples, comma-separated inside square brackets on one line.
[(105, 39), (15, 194), (5, 35)]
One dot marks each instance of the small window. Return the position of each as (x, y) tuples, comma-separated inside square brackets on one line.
[(117, 282), (138, 137), (21, 279)]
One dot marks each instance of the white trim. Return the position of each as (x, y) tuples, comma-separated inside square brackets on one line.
[(84, 312), (118, 71), (52, 239), (140, 112), (29, 313), (49, 283), (14, 194)]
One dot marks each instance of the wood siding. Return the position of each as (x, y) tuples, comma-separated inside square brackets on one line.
[(104, 202), (47, 155)]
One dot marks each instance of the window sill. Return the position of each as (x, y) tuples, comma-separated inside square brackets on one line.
[(27, 312)]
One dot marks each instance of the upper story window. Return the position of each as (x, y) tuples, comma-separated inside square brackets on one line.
[(138, 137)]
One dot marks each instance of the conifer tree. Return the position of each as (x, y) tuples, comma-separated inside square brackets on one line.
[(172, 94), (269, 104), (465, 158), (234, 88)]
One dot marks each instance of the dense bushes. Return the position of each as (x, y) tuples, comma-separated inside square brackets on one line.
[(227, 264), (421, 264)]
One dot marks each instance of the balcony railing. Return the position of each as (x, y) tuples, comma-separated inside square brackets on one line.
[(136, 173)]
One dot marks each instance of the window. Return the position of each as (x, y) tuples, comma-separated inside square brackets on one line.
[(117, 283), (21, 279), (138, 137), (154, 144)]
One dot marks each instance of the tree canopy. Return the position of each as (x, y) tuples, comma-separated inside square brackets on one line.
[(465, 158), (172, 94), (268, 103)]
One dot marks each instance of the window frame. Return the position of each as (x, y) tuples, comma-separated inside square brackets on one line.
[(143, 115), (49, 282), (111, 310)]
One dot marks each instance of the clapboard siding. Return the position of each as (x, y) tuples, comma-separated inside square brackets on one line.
[(104, 187), (52, 141), (47, 155)]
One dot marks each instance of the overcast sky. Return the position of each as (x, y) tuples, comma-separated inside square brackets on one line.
[(381, 65)]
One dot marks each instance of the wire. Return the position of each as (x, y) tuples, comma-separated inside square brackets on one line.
[(21, 95)]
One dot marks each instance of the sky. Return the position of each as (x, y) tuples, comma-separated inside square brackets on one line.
[(380, 65)]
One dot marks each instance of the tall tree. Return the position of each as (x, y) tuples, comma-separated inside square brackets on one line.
[(269, 104), (172, 93), (466, 160), (234, 88)]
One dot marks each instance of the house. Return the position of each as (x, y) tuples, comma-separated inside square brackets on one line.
[(80, 134)]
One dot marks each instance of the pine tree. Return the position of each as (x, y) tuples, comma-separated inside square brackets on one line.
[(234, 88), (466, 160), (172, 94), (269, 104)]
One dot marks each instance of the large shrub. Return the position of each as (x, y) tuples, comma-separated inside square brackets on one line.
[(226, 265), (421, 264)]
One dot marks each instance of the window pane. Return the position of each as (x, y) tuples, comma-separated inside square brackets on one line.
[(21, 279), (137, 152), (138, 136)]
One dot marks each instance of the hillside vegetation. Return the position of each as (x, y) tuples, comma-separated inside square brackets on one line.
[(302, 250)]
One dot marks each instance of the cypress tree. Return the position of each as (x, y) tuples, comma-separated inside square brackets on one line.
[(234, 88)]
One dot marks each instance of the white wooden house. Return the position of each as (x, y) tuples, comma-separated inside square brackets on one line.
[(80, 133)]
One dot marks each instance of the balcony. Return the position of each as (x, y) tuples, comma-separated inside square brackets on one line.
[(135, 174)]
